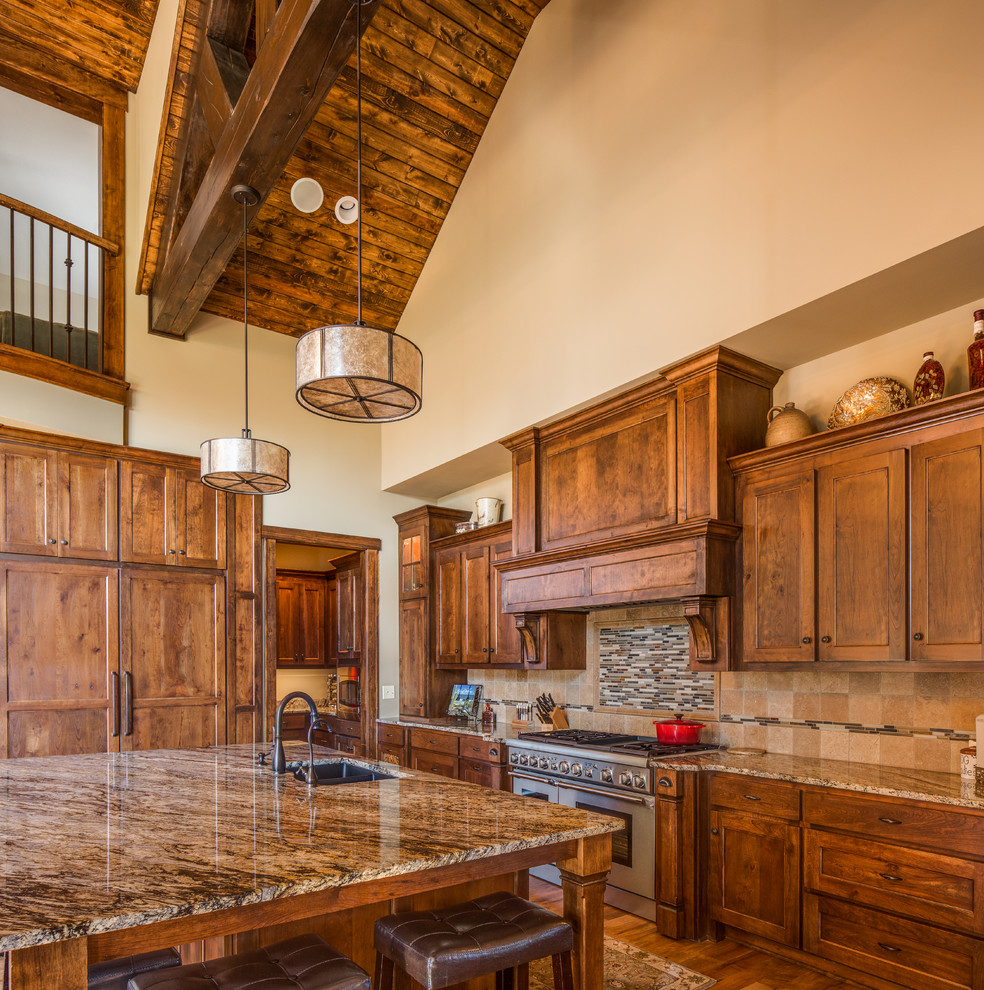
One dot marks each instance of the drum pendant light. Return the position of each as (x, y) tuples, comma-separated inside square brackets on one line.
[(244, 465), (355, 372)]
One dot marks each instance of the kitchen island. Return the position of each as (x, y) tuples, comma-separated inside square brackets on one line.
[(105, 855)]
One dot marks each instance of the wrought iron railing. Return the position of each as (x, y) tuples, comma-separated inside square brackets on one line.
[(51, 285)]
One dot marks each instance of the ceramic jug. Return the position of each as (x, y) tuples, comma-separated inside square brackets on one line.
[(787, 423)]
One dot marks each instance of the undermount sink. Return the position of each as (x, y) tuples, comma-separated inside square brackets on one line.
[(337, 772)]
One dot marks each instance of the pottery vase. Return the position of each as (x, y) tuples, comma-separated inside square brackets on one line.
[(975, 353), (786, 424), (929, 382)]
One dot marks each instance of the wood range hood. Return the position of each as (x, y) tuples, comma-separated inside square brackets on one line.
[(631, 500)]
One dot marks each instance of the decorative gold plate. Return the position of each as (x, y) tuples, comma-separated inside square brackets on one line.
[(870, 398)]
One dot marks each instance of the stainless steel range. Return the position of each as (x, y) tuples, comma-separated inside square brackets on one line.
[(610, 774)]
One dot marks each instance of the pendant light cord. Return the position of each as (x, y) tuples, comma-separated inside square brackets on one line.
[(246, 432), (358, 167)]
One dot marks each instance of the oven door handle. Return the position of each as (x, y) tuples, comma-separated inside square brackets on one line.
[(536, 780), (614, 795)]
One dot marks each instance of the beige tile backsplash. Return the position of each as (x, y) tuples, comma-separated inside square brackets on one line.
[(914, 704)]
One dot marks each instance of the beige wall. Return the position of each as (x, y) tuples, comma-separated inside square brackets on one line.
[(658, 176)]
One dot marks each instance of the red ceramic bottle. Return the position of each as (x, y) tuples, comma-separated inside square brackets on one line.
[(975, 353), (929, 381)]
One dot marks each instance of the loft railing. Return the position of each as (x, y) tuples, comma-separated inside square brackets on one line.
[(51, 285)]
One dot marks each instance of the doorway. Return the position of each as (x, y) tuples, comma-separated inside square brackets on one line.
[(339, 666)]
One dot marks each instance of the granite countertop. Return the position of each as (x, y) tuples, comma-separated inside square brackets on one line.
[(868, 778), (108, 841), (298, 706), (503, 731)]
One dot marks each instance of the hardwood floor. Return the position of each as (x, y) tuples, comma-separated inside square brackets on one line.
[(734, 966)]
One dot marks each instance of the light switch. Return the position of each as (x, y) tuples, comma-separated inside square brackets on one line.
[(389, 692)]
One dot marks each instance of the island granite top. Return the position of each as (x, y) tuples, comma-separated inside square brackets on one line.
[(868, 778), (103, 842)]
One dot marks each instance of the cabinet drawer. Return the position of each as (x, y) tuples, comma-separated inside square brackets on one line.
[(940, 829), (345, 727), (477, 772), (476, 748), (922, 885), (345, 744), (914, 955), (438, 742), (393, 734), (751, 795), (439, 763), (388, 753)]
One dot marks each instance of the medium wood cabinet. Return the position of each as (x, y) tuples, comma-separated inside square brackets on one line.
[(58, 503), (948, 548), (424, 689), (172, 659), (754, 860), (459, 756), (895, 508), (302, 610), (348, 609), (167, 516)]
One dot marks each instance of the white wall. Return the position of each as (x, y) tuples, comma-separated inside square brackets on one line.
[(659, 175)]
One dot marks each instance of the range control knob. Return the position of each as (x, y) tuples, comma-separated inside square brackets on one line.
[(576, 769), (524, 759), (625, 778), (553, 764), (514, 757), (564, 766), (606, 775), (638, 781), (589, 771), (544, 762)]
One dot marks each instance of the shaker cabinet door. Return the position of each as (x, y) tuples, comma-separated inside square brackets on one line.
[(88, 506), (947, 558), (199, 522), (447, 606), (146, 513), (28, 500), (861, 565), (475, 605), (778, 612)]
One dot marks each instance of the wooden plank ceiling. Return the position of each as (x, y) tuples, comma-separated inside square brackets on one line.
[(103, 38), (432, 71)]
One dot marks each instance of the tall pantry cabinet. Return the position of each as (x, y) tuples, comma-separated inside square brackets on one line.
[(113, 594)]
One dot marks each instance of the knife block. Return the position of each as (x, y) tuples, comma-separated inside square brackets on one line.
[(559, 718)]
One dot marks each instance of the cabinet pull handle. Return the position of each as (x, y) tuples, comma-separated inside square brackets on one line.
[(751, 797), (807, 640), (115, 700), (128, 703), (824, 639), (915, 636), (664, 782), (891, 821), (889, 948), (890, 876)]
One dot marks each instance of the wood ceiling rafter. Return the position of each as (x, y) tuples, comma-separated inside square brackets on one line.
[(433, 71)]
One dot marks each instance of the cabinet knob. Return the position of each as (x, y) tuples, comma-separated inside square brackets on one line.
[(917, 636), (485, 649), (491, 649), (171, 551), (64, 543), (52, 540), (806, 639), (714, 831), (182, 552), (456, 650), (421, 705), (824, 639)]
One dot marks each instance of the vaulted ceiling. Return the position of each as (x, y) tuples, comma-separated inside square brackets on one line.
[(103, 38), (432, 73)]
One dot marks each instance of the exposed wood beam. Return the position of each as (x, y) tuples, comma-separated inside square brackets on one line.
[(229, 21), (221, 77), (306, 47)]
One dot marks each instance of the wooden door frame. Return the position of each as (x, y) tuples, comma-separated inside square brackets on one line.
[(368, 549)]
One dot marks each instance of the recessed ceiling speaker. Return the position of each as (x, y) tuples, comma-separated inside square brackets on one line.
[(307, 195), (347, 209)]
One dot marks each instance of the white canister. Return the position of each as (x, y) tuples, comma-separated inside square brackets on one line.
[(488, 510), (968, 762)]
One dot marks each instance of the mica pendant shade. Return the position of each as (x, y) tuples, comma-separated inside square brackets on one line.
[(355, 372), (245, 466)]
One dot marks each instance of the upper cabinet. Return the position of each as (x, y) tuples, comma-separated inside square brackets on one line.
[(167, 516), (865, 546), (302, 612), (57, 503), (348, 609)]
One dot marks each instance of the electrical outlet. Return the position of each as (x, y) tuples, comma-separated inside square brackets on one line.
[(389, 692)]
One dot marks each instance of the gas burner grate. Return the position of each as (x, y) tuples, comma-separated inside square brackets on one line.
[(649, 747), (581, 737)]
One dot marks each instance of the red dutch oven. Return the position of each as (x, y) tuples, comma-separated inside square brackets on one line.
[(679, 731)]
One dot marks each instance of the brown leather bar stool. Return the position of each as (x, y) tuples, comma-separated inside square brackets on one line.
[(492, 934), (114, 974), (306, 962)]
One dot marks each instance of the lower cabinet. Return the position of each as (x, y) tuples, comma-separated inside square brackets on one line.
[(890, 888), (470, 758)]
